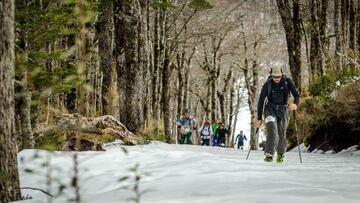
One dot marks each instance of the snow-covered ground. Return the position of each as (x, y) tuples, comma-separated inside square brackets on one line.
[(183, 173)]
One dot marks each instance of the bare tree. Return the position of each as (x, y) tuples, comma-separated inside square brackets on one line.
[(318, 21), (251, 82)]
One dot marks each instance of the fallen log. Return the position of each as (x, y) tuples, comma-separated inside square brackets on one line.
[(75, 124)]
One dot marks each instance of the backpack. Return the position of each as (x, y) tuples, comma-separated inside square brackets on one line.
[(204, 128), (183, 121), (284, 83)]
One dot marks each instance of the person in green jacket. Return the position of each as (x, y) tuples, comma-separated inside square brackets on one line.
[(214, 126)]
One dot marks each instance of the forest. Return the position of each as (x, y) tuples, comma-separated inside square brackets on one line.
[(88, 72)]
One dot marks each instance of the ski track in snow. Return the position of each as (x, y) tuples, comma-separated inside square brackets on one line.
[(186, 173)]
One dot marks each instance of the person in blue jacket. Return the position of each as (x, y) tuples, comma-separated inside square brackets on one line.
[(240, 138), (186, 124)]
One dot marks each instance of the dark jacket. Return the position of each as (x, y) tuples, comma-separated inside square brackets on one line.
[(277, 95), (240, 137), (220, 133)]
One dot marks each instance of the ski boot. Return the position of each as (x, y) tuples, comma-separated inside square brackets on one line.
[(279, 158), (268, 157)]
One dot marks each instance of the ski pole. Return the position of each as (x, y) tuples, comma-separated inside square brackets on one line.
[(257, 130), (297, 135)]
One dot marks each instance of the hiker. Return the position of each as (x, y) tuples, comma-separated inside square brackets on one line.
[(220, 134), (276, 112), (214, 126), (240, 138), (186, 124), (205, 133)]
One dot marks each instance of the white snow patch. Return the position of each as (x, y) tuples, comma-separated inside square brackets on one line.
[(318, 151), (353, 150), (302, 148), (330, 152)]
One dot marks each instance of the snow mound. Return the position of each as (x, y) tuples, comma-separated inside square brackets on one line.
[(302, 148), (354, 150)]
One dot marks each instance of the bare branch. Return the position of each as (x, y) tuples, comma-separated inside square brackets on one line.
[(348, 58), (38, 189)]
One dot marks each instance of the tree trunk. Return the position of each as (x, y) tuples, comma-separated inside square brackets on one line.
[(344, 23), (295, 67), (213, 98), (27, 137), (166, 97), (71, 99), (82, 69), (352, 32), (238, 101), (187, 79), (338, 48), (222, 95), (231, 115), (180, 91), (358, 32), (208, 99), (307, 52), (145, 8), (142, 55), (252, 89), (9, 181), (155, 73), (23, 100), (291, 22), (251, 81), (322, 35), (185, 102), (315, 49), (130, 72), (253, 97), (104, 28)]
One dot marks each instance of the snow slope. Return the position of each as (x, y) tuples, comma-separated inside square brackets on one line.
[(183, 173)]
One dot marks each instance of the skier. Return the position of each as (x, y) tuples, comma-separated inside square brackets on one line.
[(205, 133), (276, 112), (240, 138), (186, 124)]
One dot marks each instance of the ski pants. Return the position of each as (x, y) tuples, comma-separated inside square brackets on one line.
[(240, 144), (221, 140), (185, 139), (205, 142), (276, 129)]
